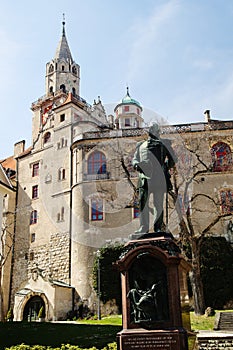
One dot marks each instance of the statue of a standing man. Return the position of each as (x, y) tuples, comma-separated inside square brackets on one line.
[(152, 160)]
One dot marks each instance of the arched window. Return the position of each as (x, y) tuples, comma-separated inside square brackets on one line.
[(47, 137), (51, 89), (226, 201), (74, 70), (51, 68), (73, 91), (97, 163), (33, 218), (63, 87), (221, 156)]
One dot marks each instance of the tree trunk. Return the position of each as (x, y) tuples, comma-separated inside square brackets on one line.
[(195, 279), (1, 302)]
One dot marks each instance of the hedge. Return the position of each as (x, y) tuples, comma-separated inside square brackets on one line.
[(111, 346)]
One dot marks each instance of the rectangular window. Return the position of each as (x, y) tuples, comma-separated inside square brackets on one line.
[(96, 209), (33, 218), (136, 211), (35, 169), (226, 201), (126, 109), (33, 237), (35, 192), (62, 117), (127, 122)]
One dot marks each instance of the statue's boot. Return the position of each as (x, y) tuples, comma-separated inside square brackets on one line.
[(139, 233), (142, 229)]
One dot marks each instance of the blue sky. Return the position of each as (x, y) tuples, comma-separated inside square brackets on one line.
[(175, 55)]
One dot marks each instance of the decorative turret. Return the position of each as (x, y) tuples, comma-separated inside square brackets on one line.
[(62, 73), (128, 113)]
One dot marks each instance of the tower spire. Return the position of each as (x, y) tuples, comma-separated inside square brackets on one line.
[(63, 50), (62, 73), (63, 25)]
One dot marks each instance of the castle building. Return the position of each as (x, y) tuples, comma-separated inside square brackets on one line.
[(76, 189), (71, 191)]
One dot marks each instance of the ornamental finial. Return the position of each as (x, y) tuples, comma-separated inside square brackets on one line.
[(63, 24)]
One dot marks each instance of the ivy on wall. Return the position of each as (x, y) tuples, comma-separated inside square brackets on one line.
[(216, 271), (110, 283)]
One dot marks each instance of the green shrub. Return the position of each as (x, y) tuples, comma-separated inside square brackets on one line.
[(9, 316), (111, 346)]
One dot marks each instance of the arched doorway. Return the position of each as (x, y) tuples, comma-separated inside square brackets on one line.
[(32, 307)]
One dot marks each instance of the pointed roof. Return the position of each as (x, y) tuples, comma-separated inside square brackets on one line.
[(63, 50), (4, 180)]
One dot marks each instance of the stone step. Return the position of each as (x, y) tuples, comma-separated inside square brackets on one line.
[(224, 321)]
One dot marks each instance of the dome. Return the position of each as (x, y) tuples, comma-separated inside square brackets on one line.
[(128, 100)]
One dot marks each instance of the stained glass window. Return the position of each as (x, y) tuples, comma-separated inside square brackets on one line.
[(226, 197), (221, 157)]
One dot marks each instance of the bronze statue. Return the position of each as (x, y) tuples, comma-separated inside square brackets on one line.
[(153, 159)]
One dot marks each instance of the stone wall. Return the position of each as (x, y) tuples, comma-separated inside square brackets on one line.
[(53, 260)]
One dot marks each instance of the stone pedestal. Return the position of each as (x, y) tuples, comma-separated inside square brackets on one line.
[(151, 308)]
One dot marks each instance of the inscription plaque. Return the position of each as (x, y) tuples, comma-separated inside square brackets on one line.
[(152, 341), (149, 343)]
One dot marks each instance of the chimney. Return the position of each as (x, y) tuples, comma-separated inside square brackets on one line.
[(207, 116), (19, 148)]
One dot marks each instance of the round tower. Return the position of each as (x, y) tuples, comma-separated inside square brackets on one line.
[(128, 113)]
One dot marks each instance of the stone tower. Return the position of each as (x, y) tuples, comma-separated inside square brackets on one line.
[(62, 73), (43, 254)]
